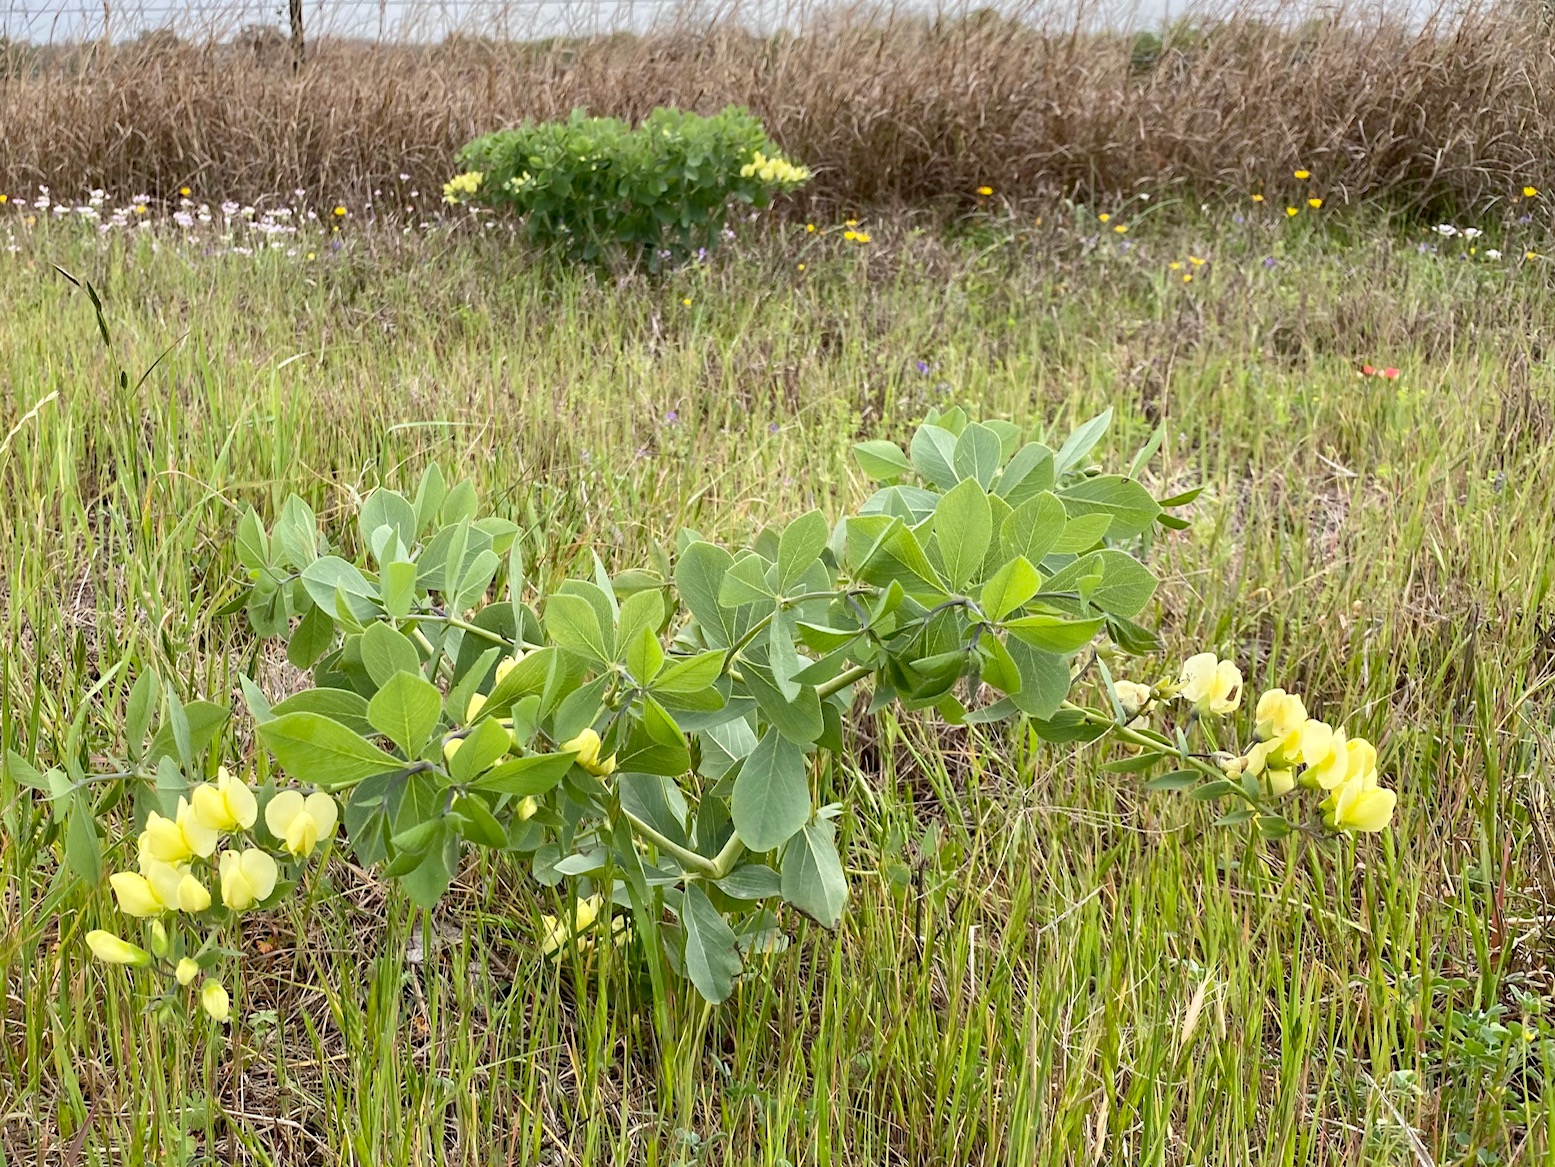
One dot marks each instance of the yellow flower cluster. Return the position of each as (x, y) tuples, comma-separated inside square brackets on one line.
[(778, 170), (1293, 748), (556, 931), (462, 186), (166, 879)]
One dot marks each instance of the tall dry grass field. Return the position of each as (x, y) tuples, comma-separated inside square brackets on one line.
[(1452, 113)]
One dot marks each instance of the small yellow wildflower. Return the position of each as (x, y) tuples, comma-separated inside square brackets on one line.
[(685, 301), (1196, 261), (809, 228), (985, 191), (1186, 278), (1134, 697), (4, 199), (135, 894), (1278, 714), (1303, 175), (226, 804), (801, 267), (1314, 203), (1292, 212), (586, 745), (1175, 265), (184, 190), (300, 823), (1212, 685), (1325, 752), (340, 212), (1121, 228), (1257, 198), (1359, 804), (1529, 192), (462, 186), (246, 878), (1104, 217)]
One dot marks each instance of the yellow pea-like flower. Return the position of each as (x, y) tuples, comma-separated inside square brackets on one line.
[(1361, 757), (557, 930), (1210, 684), (191, 895), (525, 810), (163, 841), (1269, 761), (135, 895), (246, 878), (1133, 696), (1359, 804), (300, 823), (215, 1002), (186, 971), (473, 709), (587, 745), (109, 949), (224, 805), (199, 836), (1323, 749), (1278, 714)]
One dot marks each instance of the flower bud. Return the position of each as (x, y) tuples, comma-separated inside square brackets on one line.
[(473, 709), (586, 745), (111, 950), (186, 971), (508, 664), (193, 896), (215, 1002), (159, 943)]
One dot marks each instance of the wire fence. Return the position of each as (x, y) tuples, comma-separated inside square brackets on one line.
[(302, 22), (45, 23)]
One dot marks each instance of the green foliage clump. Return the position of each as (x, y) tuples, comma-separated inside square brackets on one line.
[(598, 189)]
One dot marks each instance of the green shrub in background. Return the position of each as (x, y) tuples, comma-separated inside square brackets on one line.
[(599, 190)]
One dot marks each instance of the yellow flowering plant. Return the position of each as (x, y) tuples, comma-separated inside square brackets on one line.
[(657, 740), (1288, 751), (202, 851), (599, 190)]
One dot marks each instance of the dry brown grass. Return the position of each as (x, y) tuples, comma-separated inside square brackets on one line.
[(887, 111)]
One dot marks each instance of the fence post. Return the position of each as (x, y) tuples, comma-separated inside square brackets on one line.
[(297, 44)]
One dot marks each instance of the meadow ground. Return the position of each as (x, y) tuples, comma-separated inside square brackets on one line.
[(1040, 962)]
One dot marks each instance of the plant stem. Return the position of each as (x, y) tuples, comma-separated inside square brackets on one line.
[(843, 680), (715, 868)]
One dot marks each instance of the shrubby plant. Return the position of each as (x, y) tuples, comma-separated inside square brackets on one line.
[(660, 740), (598, 189)]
